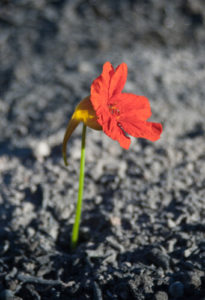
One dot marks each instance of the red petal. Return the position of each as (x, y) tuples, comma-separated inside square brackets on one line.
[(118, 80), (132, 107), (100, 87), (111, 128), (146, 130)]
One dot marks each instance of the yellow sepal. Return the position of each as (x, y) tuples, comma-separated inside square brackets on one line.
[(85, 113)]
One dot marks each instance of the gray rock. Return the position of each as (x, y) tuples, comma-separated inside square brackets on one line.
[(176, 289), (160, 295), (6, 295), (156, 257)]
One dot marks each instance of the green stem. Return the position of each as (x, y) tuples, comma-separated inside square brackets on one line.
[(75, 231)]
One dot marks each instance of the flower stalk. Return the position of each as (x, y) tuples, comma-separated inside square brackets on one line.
[(76, 225)]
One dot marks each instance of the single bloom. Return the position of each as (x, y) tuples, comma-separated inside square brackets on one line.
[(117, 114)]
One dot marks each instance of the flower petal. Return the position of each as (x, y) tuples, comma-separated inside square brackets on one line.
[(146, 130), (100, 87), (132, 107), (115, 132), (118, 80)]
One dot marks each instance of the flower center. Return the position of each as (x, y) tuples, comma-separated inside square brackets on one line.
[(114, 110)]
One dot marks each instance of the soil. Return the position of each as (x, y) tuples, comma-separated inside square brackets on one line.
[(143, 230)]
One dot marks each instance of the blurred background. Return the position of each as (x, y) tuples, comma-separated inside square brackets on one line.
[(51, 50)]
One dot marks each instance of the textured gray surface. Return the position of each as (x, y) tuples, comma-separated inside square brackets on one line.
[(143, 229)]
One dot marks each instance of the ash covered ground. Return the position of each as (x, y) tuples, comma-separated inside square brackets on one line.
[(143, 229)]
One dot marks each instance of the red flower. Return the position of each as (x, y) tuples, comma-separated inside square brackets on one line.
[(114, 112), (120, 113)]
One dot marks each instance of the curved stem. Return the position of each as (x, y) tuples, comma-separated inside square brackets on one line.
[(75, 231)]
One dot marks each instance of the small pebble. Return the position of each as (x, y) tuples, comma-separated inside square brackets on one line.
[(159, 259), (97, 291), (171, 224), (42, 150), (115, 221), (176, 289), (85, 67), (6, 295), (160, 295), (30, 231), (194, 281)]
